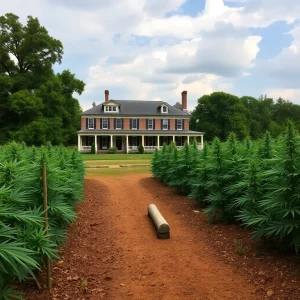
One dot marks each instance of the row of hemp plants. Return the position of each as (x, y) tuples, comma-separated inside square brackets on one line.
[(251, 183), (24, 244)]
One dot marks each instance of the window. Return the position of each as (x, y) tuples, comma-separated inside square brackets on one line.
[(91, 124), (118, 123), (165, 124), (104, 142), (164, 109), (179, 124), (150, 124), (109, 108), (134, 141), (134, 123), (104, 123)]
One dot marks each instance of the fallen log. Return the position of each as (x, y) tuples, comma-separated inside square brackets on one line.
[(161, 225)]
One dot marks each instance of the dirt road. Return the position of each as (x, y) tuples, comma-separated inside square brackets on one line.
[(113, 251)]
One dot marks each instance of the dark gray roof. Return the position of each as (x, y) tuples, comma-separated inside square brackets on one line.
[(138, 108), (140, 132)]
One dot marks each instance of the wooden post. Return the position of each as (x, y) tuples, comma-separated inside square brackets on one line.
[(45, 193)]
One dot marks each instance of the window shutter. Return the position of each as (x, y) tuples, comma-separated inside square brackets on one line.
[(122, 124), (95, 124), (161, 124), (147, 123), (115, 123), (169, 124), (87, 123), (138, 123), (108, 123), (153, 123), (175, 124), (130, 123), (100, 123), (182, 120)]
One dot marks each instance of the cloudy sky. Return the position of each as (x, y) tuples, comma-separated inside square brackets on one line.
[(154, 49)]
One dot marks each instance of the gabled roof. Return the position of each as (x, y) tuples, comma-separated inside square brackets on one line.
[(138, 108)]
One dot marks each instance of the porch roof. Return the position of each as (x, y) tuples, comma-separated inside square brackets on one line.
[(140, 132)]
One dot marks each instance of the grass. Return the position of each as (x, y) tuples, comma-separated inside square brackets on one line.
[(117, 172), (117, 156), (116, 162)]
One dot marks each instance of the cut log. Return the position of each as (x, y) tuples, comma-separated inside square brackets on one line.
[(161, 225)]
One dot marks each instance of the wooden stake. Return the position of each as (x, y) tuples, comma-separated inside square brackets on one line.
[(45, 193)]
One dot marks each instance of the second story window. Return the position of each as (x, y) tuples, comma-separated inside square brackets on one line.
[(118, 123), (134, 123), (91, 124), (150, 124), (165, 124), (179, 124), (104, 123)]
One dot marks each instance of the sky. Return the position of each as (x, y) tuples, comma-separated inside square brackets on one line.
[(155, 49)]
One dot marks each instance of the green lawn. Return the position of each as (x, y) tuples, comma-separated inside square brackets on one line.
[(117, 156), (117, 162), (117, 172)]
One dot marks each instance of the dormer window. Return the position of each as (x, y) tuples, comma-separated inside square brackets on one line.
[(111, 107), (164, 109)]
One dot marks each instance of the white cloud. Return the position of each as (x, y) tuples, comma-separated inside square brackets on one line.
[(287, 94), (286, 65), (198, 53)]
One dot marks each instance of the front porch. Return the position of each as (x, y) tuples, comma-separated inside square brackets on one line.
[(130, 143)]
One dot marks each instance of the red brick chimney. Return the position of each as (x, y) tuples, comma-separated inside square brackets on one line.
[(106, 95), (184, 100)]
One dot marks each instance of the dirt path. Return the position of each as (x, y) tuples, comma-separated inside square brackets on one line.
[(179, 268), (114, 253)]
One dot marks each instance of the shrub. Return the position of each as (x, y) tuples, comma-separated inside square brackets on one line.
[(93, 149), (141, 149), (112, 150)]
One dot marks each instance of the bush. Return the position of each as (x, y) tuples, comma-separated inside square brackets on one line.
[(93, 149), (112, 150), (141, 149)]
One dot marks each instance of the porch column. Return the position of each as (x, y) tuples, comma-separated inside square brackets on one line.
[(174, 139), (202, 141), (143, 141), (79, 142), (188, 139), (158, 141), (127, 144), (96, 146), (111, 141)]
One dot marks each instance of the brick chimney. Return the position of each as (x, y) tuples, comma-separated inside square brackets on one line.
[(106, 95), (184, 100)]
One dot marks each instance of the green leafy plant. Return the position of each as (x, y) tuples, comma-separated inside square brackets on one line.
[(141, 149), (93, 149), (24, 243), (112, 150)]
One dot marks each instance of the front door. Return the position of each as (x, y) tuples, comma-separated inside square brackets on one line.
[(119, 142)]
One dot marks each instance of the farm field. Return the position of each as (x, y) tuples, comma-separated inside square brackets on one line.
[(113, 252)]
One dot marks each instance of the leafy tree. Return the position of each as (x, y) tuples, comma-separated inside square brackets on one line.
[(219, 114), (36, 105)]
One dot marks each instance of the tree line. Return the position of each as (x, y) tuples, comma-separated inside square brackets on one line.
[(36, 105), (220, 113)]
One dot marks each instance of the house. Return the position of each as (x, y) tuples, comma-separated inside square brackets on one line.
[(126, 124)]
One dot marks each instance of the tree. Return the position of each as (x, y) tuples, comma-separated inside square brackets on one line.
[(36, 105), (219, 114)]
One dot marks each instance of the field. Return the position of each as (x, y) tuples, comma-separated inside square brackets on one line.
[(34, 180), (113, 252)]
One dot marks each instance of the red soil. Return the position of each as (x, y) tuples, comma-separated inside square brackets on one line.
[(113, 251)]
